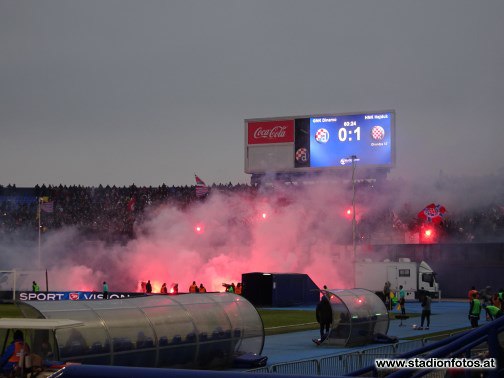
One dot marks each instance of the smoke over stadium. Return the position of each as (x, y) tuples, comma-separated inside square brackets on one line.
[(282, 228)]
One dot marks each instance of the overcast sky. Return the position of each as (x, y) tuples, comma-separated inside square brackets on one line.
[(149, 92)]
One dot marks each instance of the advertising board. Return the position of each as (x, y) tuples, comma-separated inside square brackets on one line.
[(72, 295), (267, 132)]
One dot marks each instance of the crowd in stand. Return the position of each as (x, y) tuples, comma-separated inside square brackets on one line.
[(106, 213), (109, 213)]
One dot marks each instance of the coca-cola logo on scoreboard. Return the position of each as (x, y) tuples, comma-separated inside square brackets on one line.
[(280, 131)]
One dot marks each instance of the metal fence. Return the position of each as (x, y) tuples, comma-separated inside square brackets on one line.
[(308, 367), (345, 363)]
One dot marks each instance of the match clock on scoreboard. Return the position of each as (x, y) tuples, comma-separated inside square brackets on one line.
[(333, 139)]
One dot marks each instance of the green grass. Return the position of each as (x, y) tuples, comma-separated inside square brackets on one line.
[(275, 321), (392, 315), (284, 321), (10, 311), (434, 334)]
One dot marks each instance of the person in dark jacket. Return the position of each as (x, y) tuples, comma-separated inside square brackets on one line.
[(426, 311), (474, 311), (323, 313), (105, 290)]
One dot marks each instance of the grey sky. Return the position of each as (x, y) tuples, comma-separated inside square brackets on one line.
[(149, 92)]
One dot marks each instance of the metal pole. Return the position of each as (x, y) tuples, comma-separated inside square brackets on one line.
[(39, 213), (353, 218), (14, 288)]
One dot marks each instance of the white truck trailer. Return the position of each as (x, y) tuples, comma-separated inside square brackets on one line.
[(413, 276)]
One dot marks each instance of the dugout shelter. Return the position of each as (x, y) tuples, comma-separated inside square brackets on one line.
[(358, 315), (195, 331)]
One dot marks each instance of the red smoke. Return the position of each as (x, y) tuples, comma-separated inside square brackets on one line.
[(296, 231), (303, 232)]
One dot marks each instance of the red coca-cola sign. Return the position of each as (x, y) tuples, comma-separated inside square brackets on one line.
[(280, 131)]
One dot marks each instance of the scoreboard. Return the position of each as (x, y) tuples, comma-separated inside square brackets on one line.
[(320, 142)]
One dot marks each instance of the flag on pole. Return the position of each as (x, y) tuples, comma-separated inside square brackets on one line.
[(396, 221), (432, 213), (45, 205), (201, 188)]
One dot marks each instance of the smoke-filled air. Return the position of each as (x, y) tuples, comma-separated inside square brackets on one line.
[(302, 228)]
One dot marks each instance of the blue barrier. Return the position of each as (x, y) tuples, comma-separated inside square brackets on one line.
[(454, 346), (94, 371)]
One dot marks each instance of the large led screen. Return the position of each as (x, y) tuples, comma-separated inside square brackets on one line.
[(367, 137), (320, 142)]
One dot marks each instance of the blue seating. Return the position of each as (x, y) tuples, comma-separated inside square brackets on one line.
[(146, 343), (220, 334), (122, 344), (96, 348), (177, 339), (73, 350), (190, 338), (163, 341), (203, 336)]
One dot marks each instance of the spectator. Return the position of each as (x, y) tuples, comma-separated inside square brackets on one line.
[(485, 295), (474, 311), (496, 301), (164, 289), (323, 314), (386, 294), (202, 288), (193, 288), (230, 288), (13, 354), (103, 213), (471, 292), (46, 350), (105, 290), (492, 312), (426, 311), (238, 288), (402, 300)]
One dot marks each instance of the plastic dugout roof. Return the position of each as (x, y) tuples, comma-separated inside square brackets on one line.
[(358, 314), (204, 330)]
